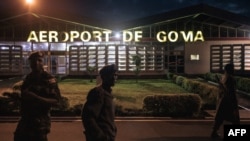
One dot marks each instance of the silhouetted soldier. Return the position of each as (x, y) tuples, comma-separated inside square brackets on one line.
[(228, 106), (98, 112), (39, 92)]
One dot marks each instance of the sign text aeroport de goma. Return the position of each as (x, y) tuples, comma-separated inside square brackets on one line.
[(104, 36)]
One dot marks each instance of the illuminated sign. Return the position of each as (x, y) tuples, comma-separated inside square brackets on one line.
[(104, 36), (173, 36)]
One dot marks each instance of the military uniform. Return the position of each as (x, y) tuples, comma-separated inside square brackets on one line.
[(34, 124)]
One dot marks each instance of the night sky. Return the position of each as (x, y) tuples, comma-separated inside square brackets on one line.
[(116, 10)]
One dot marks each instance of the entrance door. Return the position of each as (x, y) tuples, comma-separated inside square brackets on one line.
[(61, 67), (58, 64)]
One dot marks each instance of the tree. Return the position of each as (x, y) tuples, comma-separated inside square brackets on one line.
[(137, 61), (91, 71)]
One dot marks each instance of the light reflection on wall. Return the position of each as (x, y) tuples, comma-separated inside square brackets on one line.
[(247, 57), (223, 54), (82, 55), (58, 47), (40, 46)]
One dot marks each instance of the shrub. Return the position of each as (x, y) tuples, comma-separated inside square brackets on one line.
[(212, 76), (243, 84), (77, 109), (207, 93), (63, 104), (170, 75), (174, 105), (179, 80), (174, 77), (10, 103)]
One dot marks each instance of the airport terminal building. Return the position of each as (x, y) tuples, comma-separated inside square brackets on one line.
[(193, 40)]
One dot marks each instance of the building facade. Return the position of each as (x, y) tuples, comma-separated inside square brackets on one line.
[(192, 40)]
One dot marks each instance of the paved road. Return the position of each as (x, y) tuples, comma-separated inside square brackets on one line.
[(129, 130)]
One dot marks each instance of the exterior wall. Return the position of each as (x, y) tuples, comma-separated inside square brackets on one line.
[(197, 66), (202, 65)]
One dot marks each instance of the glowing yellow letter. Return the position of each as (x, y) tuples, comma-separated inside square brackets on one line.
[(32, 37), (125, 33), (88, 36), (175, 36), (43, 36), (138, 34), (74, 35), (66, 36), (164, 38), (187, 37), (199, 36), (97, 35), (107, 33), (53, 35)]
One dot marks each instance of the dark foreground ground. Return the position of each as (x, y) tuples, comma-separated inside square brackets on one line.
[(129, 129)]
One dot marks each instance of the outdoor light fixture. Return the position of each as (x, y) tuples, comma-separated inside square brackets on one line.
[(117, 35), (29, 1), (194, 57)]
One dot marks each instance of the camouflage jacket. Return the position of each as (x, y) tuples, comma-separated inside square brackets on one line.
[(35, 114)]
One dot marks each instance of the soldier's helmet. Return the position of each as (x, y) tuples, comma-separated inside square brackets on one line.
[(35, 55)]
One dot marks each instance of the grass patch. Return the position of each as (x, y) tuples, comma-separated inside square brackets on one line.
[(128, 94)]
